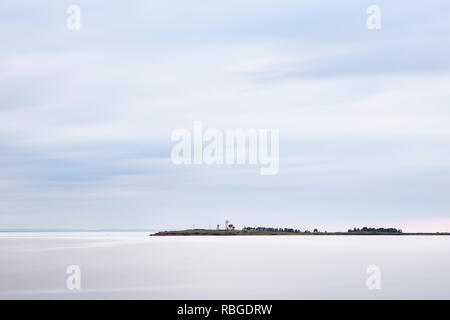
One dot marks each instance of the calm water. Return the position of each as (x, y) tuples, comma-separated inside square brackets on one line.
[(136, 266)]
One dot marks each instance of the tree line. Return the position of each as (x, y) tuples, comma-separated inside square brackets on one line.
[(271, 229), (292, 230), (382, 230)]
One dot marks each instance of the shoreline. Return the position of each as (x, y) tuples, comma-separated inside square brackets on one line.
[(224, 233)]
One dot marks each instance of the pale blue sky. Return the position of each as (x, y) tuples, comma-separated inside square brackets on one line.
[(86, 115)]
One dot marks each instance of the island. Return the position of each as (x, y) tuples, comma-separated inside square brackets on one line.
[(269, 231)]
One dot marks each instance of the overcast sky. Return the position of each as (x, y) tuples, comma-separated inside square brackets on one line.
[(86, 115)]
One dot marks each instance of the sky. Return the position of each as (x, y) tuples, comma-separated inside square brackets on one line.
[(86, 116)]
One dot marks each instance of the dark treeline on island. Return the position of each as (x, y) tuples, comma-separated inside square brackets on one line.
[(374, 230), (269, 229), (292, 230)]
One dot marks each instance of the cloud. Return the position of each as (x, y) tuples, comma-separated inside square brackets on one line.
[(86, 118)]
